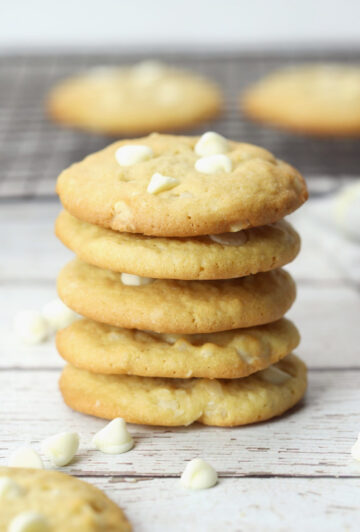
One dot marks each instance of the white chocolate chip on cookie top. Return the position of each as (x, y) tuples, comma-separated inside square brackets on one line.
[(214, 163), (132, 154), (211, 143), (160, 183)]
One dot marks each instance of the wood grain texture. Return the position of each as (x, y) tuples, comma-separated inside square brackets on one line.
[(246, 505)]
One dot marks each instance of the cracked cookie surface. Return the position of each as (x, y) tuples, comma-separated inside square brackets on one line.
[(175, 402), (233, 354)]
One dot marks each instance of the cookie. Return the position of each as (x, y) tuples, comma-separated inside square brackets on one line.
[(173, 402), (256, 189), (233, 354), (135, 100), (180, 307), (64, 502), (210, 257), (319, 99)]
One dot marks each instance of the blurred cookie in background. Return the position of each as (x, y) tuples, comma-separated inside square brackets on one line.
[(315, 99), (145, 97)]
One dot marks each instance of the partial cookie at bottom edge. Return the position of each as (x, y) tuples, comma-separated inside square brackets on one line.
[(65, 502), (176, 402)]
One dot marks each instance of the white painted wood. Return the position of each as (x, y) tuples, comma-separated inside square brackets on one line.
[(328, 317), (30, 249), (314, 439), (246, 505)]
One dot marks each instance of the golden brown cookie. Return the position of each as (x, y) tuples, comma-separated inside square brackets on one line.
[(135, 100), (181, 307), (64, 503), (210, 257), (256, 189), (319, 99), (172, 402), (233, 354)]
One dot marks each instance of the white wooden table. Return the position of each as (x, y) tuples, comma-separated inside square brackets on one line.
[(293, 473)]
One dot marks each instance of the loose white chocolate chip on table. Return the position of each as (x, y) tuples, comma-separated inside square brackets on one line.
[(198, 475), (213, 163), (25, 457), (58, 315), (211, 143), (273, 375), (31, 326), (355, 450), (29, 522), (114, 438), (61, 448), (132, 154), (9, 489), (135, 280), (230, 239), (160, 183)]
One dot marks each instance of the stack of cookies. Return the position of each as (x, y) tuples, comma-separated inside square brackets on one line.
[(180, 243)]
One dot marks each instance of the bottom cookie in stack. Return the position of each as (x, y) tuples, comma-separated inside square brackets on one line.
[(226, 379)]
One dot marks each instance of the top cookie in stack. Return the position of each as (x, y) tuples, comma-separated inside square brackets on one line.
[(180, 242)]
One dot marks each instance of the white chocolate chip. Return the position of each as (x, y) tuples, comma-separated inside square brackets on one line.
[(61, 448), (31, 326), (25, 457), (147, 72), (114, 438), (135, 280), (160, 183), (132, 154), (213, 163), (234, 228), (355, 450), (29, 522), (58, 315), (211, 143), (198, 475), (273, 375), (230, 239), (9, 489)]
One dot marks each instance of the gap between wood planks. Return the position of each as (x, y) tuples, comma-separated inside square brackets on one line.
[(220, 475)]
